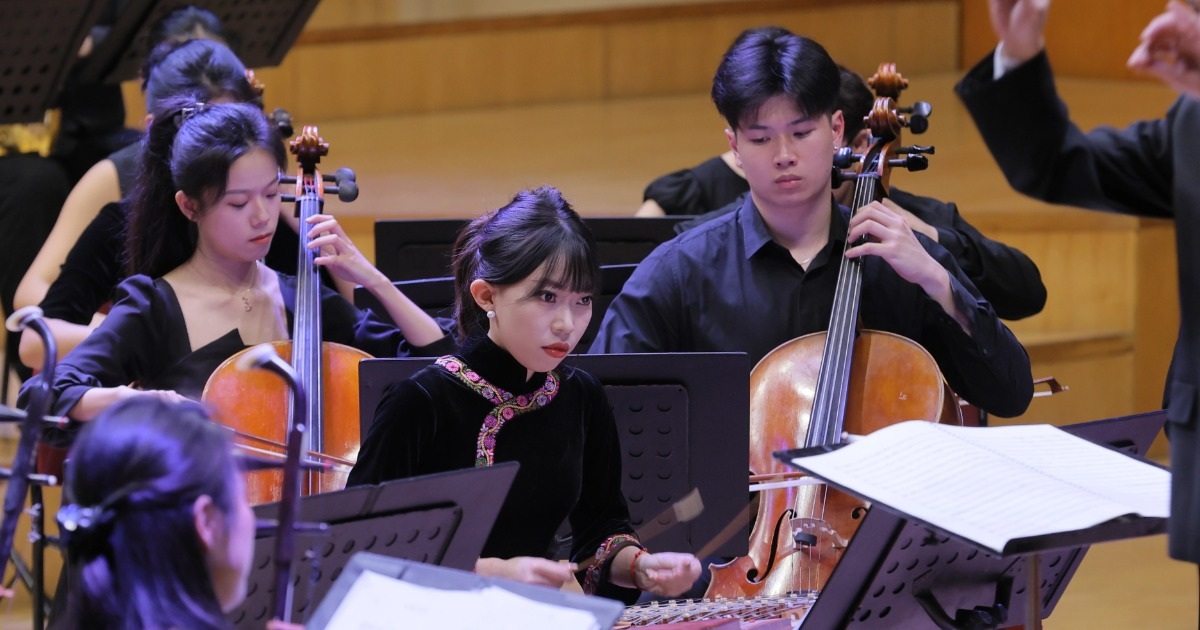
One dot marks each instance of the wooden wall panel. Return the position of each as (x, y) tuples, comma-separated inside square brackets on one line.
[(350, 73), (672, 56), (443, 72), (1156, 311)]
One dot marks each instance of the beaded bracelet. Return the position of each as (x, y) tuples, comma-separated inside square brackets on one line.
[(633, 569)]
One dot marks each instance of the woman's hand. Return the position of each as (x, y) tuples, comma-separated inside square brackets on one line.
[(337, 253), (526, 569), (666, 574)]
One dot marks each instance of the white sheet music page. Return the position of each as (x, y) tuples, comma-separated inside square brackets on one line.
[(991, 485), (378, 602)]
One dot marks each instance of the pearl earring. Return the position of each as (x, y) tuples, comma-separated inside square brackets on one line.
[(491, 314)]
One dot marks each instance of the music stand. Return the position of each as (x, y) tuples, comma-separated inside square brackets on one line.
[(260, 31), (605, 611), (440, 519), (898, 573), (412, 249), (40, 44), (682, 420), (435, 296)]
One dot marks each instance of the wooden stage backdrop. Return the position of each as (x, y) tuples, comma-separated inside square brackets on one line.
[(449, 119)]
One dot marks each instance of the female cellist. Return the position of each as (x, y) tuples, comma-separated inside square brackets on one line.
[(206, 207)]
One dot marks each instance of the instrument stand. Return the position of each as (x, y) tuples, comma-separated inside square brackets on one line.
[(418, 249), (260, 31), (34, 577), (898, 573), (442, 519), (681, 419), (39, 48)]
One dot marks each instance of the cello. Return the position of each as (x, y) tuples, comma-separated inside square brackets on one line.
[(257, 405), (814, 388)]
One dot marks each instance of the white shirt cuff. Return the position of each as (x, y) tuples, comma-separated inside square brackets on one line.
[(1002, 64)]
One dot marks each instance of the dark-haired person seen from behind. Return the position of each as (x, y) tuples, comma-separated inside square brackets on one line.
[(205, 210), (156, 526), (1146, 169), (766, 273), (524, 277)]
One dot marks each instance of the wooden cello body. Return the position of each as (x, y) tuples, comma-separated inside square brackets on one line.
[(813, 389), (259, 407), (256, 404)]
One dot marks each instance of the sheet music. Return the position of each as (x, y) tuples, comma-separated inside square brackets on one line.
[(378, 602), (991, 485)]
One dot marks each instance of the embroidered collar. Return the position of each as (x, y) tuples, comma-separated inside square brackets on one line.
[(507, 405)]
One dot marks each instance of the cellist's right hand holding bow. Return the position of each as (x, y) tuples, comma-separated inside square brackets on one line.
[(1170, 48)]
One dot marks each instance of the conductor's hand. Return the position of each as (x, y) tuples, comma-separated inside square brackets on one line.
[(1020, 25), (666, 574), (337, 253), (1170, 48), (527, 569)]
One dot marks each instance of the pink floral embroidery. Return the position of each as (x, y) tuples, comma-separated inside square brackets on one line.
[(506, 410)]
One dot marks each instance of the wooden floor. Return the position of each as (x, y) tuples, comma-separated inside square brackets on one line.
[(602, 155)]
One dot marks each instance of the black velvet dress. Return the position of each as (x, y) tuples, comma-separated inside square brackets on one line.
[(559, 426)]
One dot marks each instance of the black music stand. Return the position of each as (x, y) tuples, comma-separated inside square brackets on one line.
[(40, 45), (898, 573), (605, 611), (683, 421), (435, 296), (260, 31), (442, 519), (412, 249)]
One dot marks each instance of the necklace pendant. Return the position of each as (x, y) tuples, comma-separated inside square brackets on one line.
[(246, 305)]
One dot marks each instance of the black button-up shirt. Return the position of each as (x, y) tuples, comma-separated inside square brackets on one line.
[(726, 286)]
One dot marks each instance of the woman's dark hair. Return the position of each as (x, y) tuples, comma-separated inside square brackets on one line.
[(504, 247), (201, 69), (188, 147), (766, 62), (188, 22), (135, 558), (855, 100)]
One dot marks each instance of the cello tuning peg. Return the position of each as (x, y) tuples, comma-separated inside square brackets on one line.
[(919, 108), (915, 162), (339, 176), (287, 179), (839, 177), (287, 198), (347, 190), (283, 122), (927, 150), (918, 116), (843, 157)]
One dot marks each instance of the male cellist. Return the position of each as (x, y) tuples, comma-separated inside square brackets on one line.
[(766, 274)]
